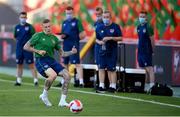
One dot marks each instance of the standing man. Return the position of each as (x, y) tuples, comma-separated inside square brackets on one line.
[(23, 32), (73, 32), (146, 46), (43, 45), (107, 36), (98, 22)]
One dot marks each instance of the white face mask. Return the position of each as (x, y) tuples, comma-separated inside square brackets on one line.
[(69, 16), (106, 21), (22, 20), (142, 20)]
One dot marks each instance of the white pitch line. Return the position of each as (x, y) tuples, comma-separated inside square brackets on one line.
[(108, 95)]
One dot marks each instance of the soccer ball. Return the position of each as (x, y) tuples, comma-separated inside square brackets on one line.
[(75, 106)]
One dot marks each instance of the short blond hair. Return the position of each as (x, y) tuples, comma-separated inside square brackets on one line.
[(107, 11)]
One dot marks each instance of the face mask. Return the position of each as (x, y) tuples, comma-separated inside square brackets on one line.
[(22, 20), (98, 18), (69, 16), (142, 20), (106, 21)]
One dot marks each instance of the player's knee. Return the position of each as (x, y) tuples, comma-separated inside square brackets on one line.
[(51, 73)]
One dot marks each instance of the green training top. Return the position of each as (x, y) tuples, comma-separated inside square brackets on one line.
[(47, 42)]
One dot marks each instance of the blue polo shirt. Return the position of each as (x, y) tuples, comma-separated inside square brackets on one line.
[(144, 33), (97, 46), (23, 33), (98, 23), (72, 28), (112, 30)]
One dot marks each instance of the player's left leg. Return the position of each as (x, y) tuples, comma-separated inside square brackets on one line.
[(19, 62), (151, 78), (65, 87), (30, 61), (80, 75), (34, 73), (150, 72), (110, 80), (111, 67), (113, 78)]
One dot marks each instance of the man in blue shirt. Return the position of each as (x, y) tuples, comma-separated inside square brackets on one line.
[(72, 33), (98, 12), (107, 36), (145, 48), (22, 33)]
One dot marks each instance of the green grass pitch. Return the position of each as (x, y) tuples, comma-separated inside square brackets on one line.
[(24, 101)]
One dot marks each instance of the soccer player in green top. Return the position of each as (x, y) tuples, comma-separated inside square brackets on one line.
[(43, 45)]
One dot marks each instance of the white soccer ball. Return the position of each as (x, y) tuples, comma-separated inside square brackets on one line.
[(75, 106)]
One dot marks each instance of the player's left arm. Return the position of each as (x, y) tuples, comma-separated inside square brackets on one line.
[(67, 53), (151, 34), (82, 33), (32, 30), (14, 33), (62, 52)]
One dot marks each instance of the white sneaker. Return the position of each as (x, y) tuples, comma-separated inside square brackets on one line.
[(45, 100), (63, 104)]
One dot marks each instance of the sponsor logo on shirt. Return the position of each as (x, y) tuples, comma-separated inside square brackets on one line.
[(144, 30), (111, 30), (73, 24), (45, 66), (26, 28)]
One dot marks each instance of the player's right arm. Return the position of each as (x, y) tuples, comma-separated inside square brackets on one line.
[(14, 32), (29, 45), (98, 41)]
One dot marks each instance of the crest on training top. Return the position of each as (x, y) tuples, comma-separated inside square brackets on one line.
[(73, 24), (26, 28), (111, 30)]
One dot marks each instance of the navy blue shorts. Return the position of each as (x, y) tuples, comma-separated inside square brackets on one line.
[(43, 63), (22, 55), (108, 61), (145, 60), (73, 59)]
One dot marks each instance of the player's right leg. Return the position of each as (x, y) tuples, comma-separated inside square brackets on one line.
[(30, 61), (34, 73), (19, 72), (43, 67), (51, 76), (101, 67)]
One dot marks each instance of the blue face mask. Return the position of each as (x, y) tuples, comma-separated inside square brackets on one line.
[(69, 16), (106, 21), (142, 20), (22, 20)]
